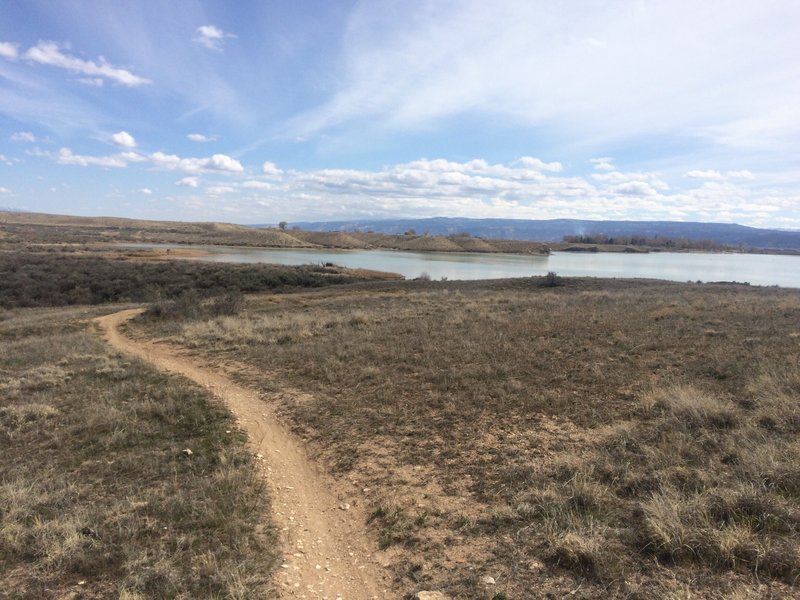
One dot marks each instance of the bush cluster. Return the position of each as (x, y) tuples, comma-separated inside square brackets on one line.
[(34, 279)]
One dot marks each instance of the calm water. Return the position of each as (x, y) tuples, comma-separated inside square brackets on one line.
[(757, 269)]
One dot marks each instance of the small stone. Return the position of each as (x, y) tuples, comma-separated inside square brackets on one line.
[(536, 565), (344, 506), (488, 580), (187, 452), (430, 596)]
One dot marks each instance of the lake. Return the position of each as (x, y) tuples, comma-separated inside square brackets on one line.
[(756, 269)]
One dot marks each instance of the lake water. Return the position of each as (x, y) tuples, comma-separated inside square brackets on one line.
[(756, 269)]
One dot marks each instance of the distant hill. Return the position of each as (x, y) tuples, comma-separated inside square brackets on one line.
[(554, 230), (437, 234), (21, 228)]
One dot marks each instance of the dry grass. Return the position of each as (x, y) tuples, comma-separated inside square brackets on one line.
[(590, 436), (56, 230), (97, 497), (695, 408)]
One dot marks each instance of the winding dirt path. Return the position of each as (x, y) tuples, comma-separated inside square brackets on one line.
[(327, 554)]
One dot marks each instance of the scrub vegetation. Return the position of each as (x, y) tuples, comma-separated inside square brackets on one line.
[(602, 438), (117, 481), (60, 277)]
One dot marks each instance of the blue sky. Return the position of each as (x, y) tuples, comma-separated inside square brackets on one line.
[(258, 112)]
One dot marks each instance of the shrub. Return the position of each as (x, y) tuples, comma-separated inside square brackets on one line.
[(227, 305), (551, 280)]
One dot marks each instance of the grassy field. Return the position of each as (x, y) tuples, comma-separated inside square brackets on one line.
[(600, 438), (117, 481)]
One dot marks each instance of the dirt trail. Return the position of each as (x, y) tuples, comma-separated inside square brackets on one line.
[(326, 550)]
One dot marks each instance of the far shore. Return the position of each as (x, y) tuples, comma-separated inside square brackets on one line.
[(35, 228)]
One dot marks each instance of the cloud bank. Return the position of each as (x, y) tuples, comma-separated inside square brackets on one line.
[(217, 162), (524, 188)]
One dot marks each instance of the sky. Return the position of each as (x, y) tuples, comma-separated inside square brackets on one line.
[(311, 110)]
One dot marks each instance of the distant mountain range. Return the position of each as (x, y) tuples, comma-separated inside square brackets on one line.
[(554, 230)]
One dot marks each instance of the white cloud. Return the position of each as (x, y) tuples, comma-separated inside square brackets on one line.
[(4, 190), (217, 162), (8, 50), (199, 137), (23, 136), (132, 157), (123, 139), (620, 178), (146, 191), (66, 157), (92, 81), (270, 168), (218, 190), (257, 185), (699, 174), (438, 186), (49, 53), (192, 182), (634, 188), (710, 174), (540, 165), (603, 163), (212, 37)]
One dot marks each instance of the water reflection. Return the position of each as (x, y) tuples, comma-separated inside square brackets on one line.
[(756, 269)]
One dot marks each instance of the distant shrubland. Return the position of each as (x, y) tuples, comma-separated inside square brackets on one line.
[(56, 279)]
